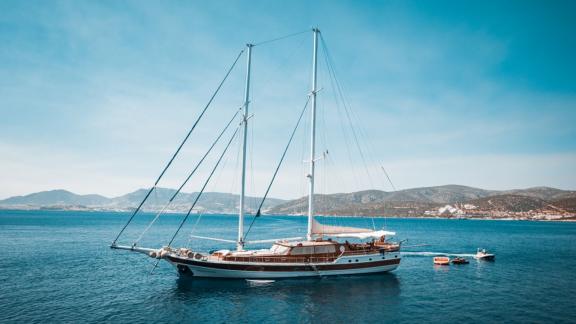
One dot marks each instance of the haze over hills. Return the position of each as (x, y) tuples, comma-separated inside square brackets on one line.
[(432, 201), (213, 202), (55, 197), (426, 196), (415, 202)]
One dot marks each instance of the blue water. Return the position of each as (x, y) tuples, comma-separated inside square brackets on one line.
[(57, 267)]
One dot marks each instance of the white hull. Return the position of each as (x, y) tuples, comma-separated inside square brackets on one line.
[(240, 274), (236, 270)]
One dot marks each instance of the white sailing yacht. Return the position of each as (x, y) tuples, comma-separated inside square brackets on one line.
[(318, 254)]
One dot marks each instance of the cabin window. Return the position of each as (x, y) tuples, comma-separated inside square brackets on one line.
[(299, 250), (326, 249)]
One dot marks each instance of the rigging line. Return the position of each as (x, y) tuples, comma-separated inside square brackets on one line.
[(179, 147), (198, 218), (368, 145), (215, 183), (388, 177), (200, 214), (349, 112), (251, 202), (204, 186), (277, 168), (282, 37), (188, 178), (283, 62), (301, 159), (346, 104), (189, 243), (236, 166), (346, 109), (345, 134)]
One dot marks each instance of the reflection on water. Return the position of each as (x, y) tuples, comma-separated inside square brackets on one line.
[(385, 283), (320, 298)]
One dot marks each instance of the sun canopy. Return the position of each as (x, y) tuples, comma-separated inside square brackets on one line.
[(346, 231), (364, 235)]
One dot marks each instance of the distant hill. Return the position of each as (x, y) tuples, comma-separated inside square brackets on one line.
[(376, 199), (509, 202), (55, 197), (415, 202), (214, 202), (442, 194), (544, 193), (568, 204)]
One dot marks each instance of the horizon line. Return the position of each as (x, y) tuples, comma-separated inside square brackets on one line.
[(333, 193)]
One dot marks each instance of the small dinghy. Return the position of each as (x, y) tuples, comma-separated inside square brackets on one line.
[(460, 261), (482, 254), (442, 260)]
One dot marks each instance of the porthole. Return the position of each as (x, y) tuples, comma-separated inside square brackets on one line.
[(349, 260), (370, 259), (356, 260), (383, 258)]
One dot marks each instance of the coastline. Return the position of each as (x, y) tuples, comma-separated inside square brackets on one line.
[(427, 217)]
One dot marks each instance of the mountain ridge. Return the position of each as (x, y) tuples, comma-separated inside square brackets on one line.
[(413, 202), (214, 202), (429, 201)]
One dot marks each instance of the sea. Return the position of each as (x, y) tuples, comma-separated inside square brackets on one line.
[(57, 267)]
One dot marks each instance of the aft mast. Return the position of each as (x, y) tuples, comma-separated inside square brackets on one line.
[(312, 138), (240, 243)]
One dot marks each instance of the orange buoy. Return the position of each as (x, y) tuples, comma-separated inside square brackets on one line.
[(442, 260)]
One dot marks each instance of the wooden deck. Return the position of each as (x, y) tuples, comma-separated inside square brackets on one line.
[(349, 249)]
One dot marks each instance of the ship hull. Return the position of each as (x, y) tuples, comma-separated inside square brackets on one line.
[(365, 264)]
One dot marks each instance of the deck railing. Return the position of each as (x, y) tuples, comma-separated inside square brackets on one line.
[(281, 259)]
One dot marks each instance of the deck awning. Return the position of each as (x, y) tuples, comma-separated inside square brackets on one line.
[(346, 231), (364, 235)]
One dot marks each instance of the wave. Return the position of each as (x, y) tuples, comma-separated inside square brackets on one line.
[(428, 253)]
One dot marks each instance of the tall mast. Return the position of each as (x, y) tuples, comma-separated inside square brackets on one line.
[(312, 138), (240, 243)]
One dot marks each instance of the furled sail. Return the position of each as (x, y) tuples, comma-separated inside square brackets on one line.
[(346, 231)]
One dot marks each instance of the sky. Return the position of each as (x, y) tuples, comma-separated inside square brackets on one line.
[(95, 96)]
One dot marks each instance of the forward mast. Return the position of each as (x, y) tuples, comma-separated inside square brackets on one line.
[(240, 243), (312, 138)]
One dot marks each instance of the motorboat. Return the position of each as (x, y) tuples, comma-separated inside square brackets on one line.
[(482, 254), (460, 261)]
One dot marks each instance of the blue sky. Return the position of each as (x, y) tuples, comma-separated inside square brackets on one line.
[(95, 95)]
